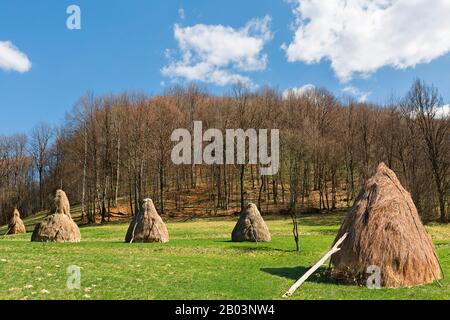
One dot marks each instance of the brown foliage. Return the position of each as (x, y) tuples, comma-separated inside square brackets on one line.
[(116, 147)]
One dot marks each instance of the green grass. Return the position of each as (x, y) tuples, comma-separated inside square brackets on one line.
[(198, 263)]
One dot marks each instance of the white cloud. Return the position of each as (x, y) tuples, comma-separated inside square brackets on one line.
[(219, 54), (11, 59), (361, 96), (362, 36), (298, 92), (444, 112)]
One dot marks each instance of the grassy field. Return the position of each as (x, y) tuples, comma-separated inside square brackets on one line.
[(199, 263)]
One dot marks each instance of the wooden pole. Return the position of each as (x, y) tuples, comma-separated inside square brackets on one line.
[(297, 285), (9, 229)]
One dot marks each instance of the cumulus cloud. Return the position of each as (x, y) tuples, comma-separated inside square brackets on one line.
[(443, 112), (359, 37), (12, 59), (298, 92), (220, 54), (361, 96)]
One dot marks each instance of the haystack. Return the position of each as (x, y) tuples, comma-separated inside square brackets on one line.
[(251, 226), (16, 224), (147, 226), (385, 230), (58, 226)]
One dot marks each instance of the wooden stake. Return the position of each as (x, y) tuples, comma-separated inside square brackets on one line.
[(305, 277), (7, 232)]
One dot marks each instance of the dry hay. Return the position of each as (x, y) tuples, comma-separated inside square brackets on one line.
[(62, 205), (384, 230), (58, 226), (251, 226), (16, 224), (147, 226)]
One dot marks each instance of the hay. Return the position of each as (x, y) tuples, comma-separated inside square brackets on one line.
[(16, 224), (62, 205), (251, 226), (147, 226), (385, 230), (58, 226)]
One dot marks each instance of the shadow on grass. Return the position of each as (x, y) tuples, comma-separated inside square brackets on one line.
[(252, 246), (104, 224), (320, 276), (261, 249), (322, 220), (322, 232)]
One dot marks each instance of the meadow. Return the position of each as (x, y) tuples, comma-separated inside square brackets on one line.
[(199, 262)]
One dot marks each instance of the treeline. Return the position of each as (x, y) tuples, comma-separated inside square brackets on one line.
[(119, 147)]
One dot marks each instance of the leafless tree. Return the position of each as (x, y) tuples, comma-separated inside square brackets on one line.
[(39, 147), (421, 108)]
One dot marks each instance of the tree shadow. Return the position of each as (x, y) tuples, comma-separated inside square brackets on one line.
[(253, 246), (322, 220), (320, 276), (260, 248), (99, 225)]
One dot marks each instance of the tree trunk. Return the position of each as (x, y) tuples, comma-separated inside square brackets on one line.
[(242, 176), (161, 188), (116, 195)]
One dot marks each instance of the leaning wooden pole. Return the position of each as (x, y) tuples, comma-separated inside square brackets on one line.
[(297, 285)]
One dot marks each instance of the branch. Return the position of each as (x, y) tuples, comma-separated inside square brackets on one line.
[(297, 285)]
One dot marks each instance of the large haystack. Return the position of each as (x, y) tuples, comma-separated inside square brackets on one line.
[(147, 226), (251, 226), (58, 226), (16, 224), (384, 230)]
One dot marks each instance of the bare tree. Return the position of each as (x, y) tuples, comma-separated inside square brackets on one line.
[(421, 108), (39, 147), (116, 147)]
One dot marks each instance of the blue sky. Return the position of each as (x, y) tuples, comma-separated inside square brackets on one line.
[(124, 45)]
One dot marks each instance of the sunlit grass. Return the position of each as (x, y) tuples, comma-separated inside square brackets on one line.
[(198, 263)]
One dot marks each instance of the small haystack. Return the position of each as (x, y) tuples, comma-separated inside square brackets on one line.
[(59, 226), (147, 226), (251, 226), (385, 230), (16, 224)]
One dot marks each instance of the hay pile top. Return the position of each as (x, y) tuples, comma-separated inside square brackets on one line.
[(16, 224), (251, 226), (147, 226), (58, 226)]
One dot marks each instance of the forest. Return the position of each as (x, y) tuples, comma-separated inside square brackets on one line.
[(111, 152)]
